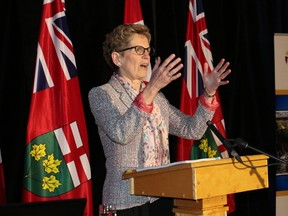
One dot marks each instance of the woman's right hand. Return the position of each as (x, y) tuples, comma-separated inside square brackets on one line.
[(161, 76)]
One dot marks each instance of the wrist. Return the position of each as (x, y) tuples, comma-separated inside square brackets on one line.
[(209, 95)]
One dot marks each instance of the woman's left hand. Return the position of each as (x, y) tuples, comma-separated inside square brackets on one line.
[(216, 77)]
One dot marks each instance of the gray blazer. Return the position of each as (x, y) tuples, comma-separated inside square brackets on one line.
[(120, 125)]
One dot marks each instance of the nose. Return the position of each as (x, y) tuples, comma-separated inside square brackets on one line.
[(146, 55)]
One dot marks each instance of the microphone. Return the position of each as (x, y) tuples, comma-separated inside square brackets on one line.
[(225, 142), (241, 142)]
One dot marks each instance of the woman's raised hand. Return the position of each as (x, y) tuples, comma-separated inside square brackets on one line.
[(161, 76), (166, 72), (216, 77)]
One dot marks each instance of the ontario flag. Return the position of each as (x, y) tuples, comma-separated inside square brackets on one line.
[(133, 14), (57, 158), (2, 183), (197, 52)]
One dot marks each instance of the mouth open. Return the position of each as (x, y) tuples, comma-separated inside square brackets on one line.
[(144, 65)]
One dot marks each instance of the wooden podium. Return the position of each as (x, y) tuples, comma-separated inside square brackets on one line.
[(200, 187)]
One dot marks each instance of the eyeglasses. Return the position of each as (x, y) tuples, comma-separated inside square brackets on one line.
[(140, 50)]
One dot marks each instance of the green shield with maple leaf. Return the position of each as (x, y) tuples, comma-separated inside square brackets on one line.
[(206, 147), (45, 171)]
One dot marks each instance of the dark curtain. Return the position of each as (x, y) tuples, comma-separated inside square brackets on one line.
[(240, 31)]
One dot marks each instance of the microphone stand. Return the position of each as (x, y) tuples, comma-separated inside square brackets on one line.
[(242, 143)]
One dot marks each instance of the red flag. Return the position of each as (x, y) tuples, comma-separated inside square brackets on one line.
[(133, 14), (197, 52), (2, 183), (57, 155)]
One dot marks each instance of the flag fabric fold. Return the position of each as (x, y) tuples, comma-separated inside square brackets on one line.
[(197, 52), (57, 158), (133, 14)]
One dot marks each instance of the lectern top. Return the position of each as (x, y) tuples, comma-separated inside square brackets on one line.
[(192, 164)]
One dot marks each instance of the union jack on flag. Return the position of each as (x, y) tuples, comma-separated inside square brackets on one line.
[(57, 155), (58, 37)]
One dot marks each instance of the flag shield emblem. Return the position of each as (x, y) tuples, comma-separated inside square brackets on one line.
[(205, 147), (46, 173)]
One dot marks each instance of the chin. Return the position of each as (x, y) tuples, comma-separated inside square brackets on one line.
[(143, 75)]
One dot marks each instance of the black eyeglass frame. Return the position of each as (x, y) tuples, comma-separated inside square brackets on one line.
[(150, 50)]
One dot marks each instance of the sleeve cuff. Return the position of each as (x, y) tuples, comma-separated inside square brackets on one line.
[(207, 103), (140, 103)]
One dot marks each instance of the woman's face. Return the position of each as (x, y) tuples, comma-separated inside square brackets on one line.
[(133, 66)]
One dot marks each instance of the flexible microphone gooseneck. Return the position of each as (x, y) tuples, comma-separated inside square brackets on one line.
[(225, 142)]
